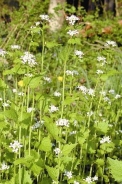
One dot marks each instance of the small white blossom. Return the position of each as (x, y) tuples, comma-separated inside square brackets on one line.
[(73, 132), (37, 23), (72, 32), (68, 174), (38, 124), (110, 43), (83, 89), (53, 109), (111, 91), (79, 53), (14, 90), (15, 146), (15, 47), (30, 109), (88, 179), (106, 99), (105, 139), (76, 182), (117, 96), (62, 122), (91, 92), (57, 94), (29, 75), (101, 58), (5, 104), (20, 94), (90, 113), (4, 167), (73, 72), (103, 93), (29, 59), (1, 99), (72, 19), (47, 79), (57, 151), (45, 17), (95, 178), (99, 72), (2, 53)]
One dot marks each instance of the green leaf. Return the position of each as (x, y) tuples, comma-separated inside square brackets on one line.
[(2, 84), (11, 114), (35, 82), (36, 169), (53, 172), (68, 148), (45, 144), (100, 162), (102, 127), (115, 167), (51, 44)]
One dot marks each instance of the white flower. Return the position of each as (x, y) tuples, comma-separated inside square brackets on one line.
[(90, 113), (111, 91), (103, 93), (30, 109), (5, 104), (29, 59), (1, 99), (29, 75), (62, 122), (106, 99), (14, 90), (45, 17), (79, 53), (20, 94), (72, 32), (110, 43), (88, 179), (4, 166), (37, 23), (47, 79), (91, 92), (57, 94), (68, 174), (72, 19), (15, 47), (73, 72), (117, 96), (99, 72), (53, 109), (57, 151), (38, 124), (73, 132), (101, 58), (83, 89), (15, 146), (95, 178), (76, 182), (2, 53), (105, 139)]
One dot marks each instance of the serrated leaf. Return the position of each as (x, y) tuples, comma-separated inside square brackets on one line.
[(68, 148), (45, 144), (53, 172), (115, 167), (100, 162), (34, 82), (36, 169), (102, 127)]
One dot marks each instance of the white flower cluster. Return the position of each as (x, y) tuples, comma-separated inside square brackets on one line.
[(45, 17), (38, 124), (90, 113), (103, 59), (30, 109), (62, 122), (6, 104), (79, 53), (89, 179), (57, 151), (73, 72), (18, 93), (53, 108), (72, 32), (68, 174), (105, 139), (15, 146), (47, 79), (117, 96), (72, 19), (111, 91), (99, 72), (29, 75), (2, 53), (4, 167), (110, 43), (85, 91), (29, 59), (15, 47), (57, 94), (76, 182)]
